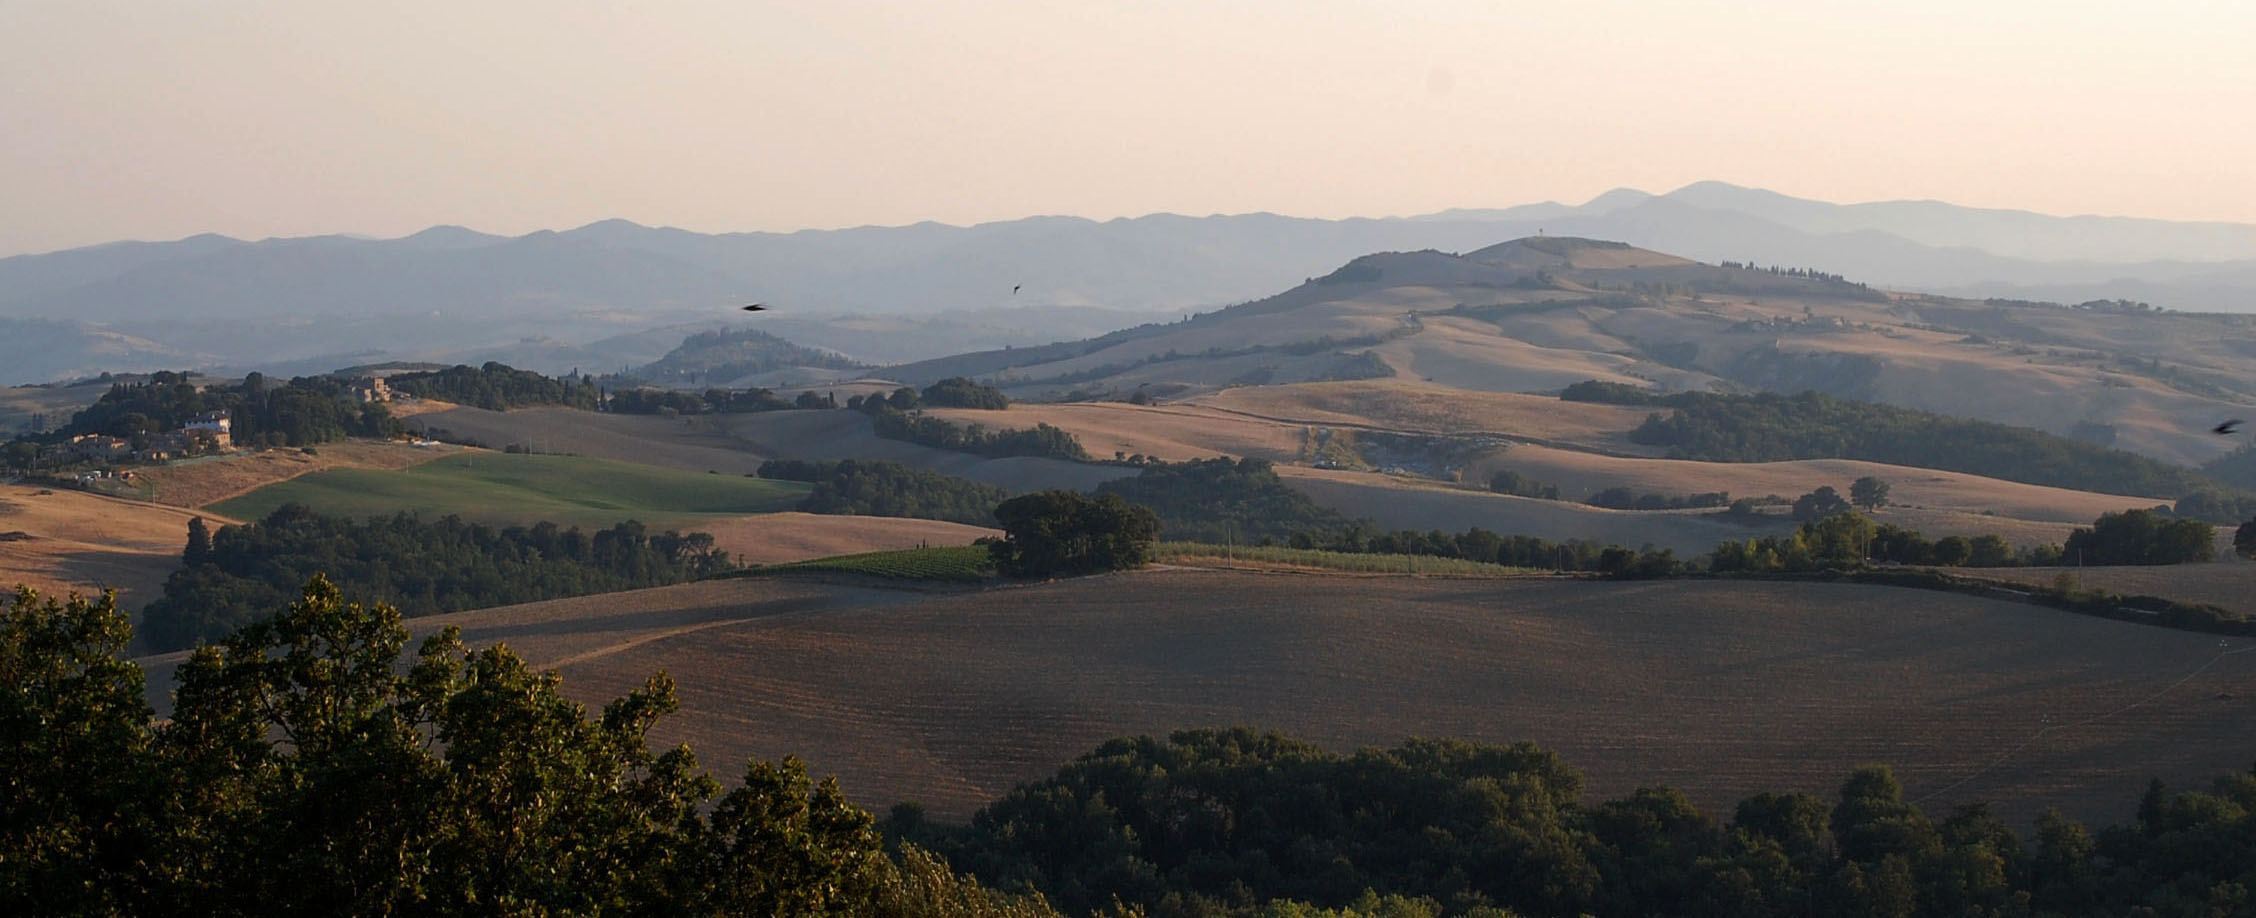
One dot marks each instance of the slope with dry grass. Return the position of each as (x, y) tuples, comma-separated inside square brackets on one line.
[(80, 542)]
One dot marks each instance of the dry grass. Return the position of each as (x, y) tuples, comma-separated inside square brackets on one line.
[(1406, 503), (1720, 688), (201, 482), (777, 538), (688, 444), (1580, 474), (84, 542), (1422, 408)]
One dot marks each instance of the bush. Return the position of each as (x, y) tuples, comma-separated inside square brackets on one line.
[(1061, 532)]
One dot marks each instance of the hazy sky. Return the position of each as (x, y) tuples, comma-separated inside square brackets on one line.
[(156, 119)]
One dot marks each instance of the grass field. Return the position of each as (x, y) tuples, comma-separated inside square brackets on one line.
[(504, 488), (1722, 689), (1272, 556), (953, 563)]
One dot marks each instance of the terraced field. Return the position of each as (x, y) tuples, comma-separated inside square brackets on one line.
[(1722, 689)]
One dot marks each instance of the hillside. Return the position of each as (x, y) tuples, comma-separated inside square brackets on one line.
[(950, 697), (1537, 314), (723, 357), (73, 541)]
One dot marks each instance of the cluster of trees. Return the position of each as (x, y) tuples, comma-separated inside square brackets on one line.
[(1041, 440), (710, 401), (1518, 485), (1770, 427), (1065, 533), (1223, 500), (857, 487), (1622, 498), (303, 411), (963, 392), (1221, 823), (242, 573), (1847, 539), (498, 387), (2141, 537), (309, 767)]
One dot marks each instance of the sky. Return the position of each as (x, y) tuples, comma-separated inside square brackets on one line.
[(159, 119)]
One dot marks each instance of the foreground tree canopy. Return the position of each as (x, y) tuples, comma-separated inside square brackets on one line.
[(311, 766)]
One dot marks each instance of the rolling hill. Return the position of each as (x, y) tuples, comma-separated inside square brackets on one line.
[(1722, 689), (1537, 314)]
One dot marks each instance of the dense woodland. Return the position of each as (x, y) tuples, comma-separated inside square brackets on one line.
[(1770, 427), (866, 488), (1221, 500), (303, 411), (241, 573), (311, 766), (1040, 441), (497, 387), (710, 401), (1217, 823)]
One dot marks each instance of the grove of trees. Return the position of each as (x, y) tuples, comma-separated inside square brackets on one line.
[(497, 387), (239, 574), (301, 412), (867, 488), (1065, 533), (1222, 499)]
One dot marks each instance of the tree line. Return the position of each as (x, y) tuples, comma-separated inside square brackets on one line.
[(858, 487), (1769, 427), (311, 766), (497, 387), (239, 574)]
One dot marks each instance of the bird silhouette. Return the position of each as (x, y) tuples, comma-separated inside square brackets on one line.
[(1014, 289), (757, 307), (2228, 428)]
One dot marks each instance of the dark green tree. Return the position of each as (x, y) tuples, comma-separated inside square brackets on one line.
[(1819, 504), (1868, 493), (199, 546), (2244, 540), (1062, 532)]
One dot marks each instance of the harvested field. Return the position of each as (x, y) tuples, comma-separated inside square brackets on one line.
[(1720, 688), (82, 542), (2229, 584), (776, 538), (1420, 408), (1580, 474), (200, 482)]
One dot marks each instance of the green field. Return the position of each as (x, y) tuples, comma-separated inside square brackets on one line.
[(958, 563), (503, 488)]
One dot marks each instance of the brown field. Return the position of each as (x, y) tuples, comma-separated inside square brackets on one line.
[(2229, 584), (84, 542), (1722, 689), (1421, 408), (774, 538), (1580, 474), (200, 482)]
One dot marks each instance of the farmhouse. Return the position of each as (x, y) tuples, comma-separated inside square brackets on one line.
[(215, 423), (369, 389)]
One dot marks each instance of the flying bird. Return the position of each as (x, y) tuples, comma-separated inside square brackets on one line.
[(2228, 428), (1014, 289), (757, 307)]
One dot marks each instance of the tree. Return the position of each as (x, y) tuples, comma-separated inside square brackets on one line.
[(2142, 537), (1869, 493), (2244, 540), (962, 392), (1819, 504), (199, 547), (1062, 532)]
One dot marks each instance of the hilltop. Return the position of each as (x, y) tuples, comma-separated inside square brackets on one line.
[(1540, 313)]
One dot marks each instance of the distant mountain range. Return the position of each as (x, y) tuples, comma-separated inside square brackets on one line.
[(450, 293)]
